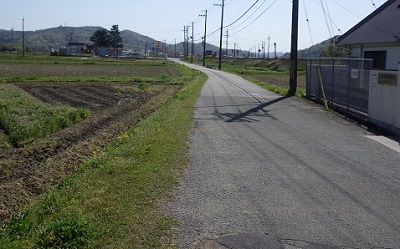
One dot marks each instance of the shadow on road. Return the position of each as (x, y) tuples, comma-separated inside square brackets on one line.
[(245, 115)]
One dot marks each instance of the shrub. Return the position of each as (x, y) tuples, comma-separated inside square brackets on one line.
[(64, 233), (17, 226)]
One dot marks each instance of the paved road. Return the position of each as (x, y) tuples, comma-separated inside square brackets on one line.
[(274, 172)]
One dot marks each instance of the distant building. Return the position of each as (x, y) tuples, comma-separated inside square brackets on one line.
[(74, 49), (108, 52)]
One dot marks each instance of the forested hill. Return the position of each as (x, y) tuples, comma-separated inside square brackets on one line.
[(54, 38), (327, 48)]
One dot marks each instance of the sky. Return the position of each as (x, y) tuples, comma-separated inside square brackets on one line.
[(248, 23)]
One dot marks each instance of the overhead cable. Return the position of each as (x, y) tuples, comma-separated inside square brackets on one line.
[(308, 22), (256, 17), (247, 11)]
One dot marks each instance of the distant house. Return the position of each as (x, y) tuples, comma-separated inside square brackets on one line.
[(377, 37), (74, 49), (108, 52)]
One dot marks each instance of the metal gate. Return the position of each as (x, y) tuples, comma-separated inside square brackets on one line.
[(344, 80)]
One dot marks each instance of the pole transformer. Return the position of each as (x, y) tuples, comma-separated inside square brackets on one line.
[(293, 50)]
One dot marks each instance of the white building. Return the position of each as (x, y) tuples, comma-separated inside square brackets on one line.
[(377, 37)]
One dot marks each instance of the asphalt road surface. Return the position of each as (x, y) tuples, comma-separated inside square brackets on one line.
[(273, 172)]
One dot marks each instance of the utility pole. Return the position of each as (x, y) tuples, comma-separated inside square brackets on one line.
[(175, 48), (205, 38), (220, 36), (263, 48), (293, 50), (116, 42), (23, 37), (192, 54), (184, 40), (227, 42), (165, 48), (187, 40), (145, 49)]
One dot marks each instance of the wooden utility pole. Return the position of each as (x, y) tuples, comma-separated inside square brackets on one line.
[(175, 48), (187, 40), (227, 43), (293, 50), (205, 38), (221, 36), (192, 53), (23, 37)]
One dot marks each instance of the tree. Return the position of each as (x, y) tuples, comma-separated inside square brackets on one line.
[(334, 51), (101, 38), (116, 39)]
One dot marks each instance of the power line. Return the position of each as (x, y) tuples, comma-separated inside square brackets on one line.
[(373, 4), (308, 22), (247, 11), (251, 15), (326, 18), (372, 25), (330, 18), (256, 17)]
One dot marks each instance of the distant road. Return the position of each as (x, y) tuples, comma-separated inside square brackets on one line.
[(272, 172)]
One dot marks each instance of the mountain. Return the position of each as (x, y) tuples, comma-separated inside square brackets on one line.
[(53, 38), (327, 48), (46, 39)]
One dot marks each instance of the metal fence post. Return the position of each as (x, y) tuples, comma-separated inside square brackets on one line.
[(348, 87), (333, 80)]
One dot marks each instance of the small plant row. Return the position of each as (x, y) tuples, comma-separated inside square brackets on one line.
[(25, 118)]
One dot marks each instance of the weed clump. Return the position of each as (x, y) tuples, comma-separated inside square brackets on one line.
[(64, 233)]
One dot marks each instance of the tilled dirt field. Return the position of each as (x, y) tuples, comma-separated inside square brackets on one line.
[(26, 172)]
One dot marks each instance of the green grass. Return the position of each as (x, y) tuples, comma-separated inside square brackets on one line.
[(281, 90), (114, 201), (25, 118), (41, 68), (248, 68)]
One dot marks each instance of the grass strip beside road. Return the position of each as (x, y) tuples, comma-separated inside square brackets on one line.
[(270, 74), (114, 201)]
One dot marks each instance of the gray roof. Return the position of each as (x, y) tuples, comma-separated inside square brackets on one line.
[(381, 26)]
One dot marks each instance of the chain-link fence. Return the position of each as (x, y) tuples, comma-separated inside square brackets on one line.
[(345, 82)]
